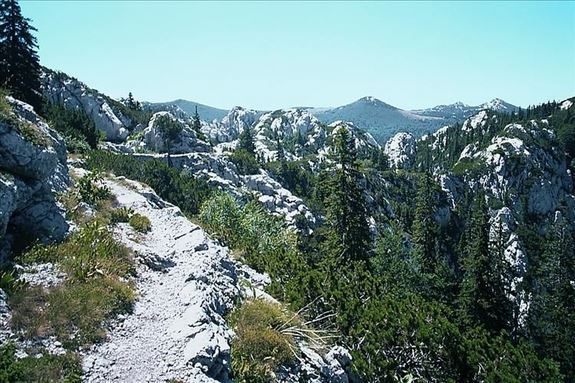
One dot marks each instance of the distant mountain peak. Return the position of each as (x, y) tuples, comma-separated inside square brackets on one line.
[(372, 101), (499, 105)]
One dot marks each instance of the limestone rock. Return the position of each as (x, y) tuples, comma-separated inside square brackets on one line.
[(400, 149)]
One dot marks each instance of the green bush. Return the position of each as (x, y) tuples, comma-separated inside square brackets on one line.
[(89, 190), (260, 345), (122, 214), (140, 223), (75, 125), (263, 240), (45, 369), (95, 289), (245, 162)]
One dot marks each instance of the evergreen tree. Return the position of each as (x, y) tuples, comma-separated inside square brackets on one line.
[(551, 318), (170, 130), (483, 299), (19, 62), (349, 237), (247, 141), (424, 226), (196, 123)]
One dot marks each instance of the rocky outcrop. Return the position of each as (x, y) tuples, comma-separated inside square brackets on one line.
[(61, 89), (152, 139), (32, 168), (400, 150), (230, 127)]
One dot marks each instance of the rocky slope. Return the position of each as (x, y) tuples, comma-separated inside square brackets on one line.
[(61, 89), (32, 169)]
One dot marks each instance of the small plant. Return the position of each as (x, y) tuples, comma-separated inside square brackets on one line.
[(89, 190), (140, 223), (9, 282), (122, 214)]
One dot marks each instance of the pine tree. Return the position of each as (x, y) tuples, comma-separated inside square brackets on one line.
[(19, 63), (247, 141), (170, 130), (482, 299), (196, 123), (424, 226), (349, 237), (551, 317)]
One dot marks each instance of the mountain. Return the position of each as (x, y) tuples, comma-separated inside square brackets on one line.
[(207, 113), (383, 120), (380, 119)]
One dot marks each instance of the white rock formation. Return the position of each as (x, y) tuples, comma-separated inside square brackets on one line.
[(230, 127), (60, 89), (151, 138), (32, 168), (400, 149)]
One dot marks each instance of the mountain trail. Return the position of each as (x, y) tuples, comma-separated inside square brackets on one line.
[(185, 284)]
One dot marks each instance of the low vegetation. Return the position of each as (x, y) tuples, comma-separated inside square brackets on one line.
[(262, 343), (94, 289), (46, 368)]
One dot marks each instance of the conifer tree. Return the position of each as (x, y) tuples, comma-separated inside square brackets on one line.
[(196, 123), (551, 318), (247, 141), (424, 226), (19, 63), (483, 299), (349, 237)]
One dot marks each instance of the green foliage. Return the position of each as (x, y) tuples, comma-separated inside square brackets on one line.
[(122, 214), (45, 369), (89, 189), (170, 129), (349, 237), (95, 289), (177, 187), (551, 319), (483, 296), (264, 241), (247, 141), (77, 128), (140, 223), (260, 346), (245, 161)]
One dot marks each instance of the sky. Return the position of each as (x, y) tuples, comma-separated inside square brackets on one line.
[(269, 55)]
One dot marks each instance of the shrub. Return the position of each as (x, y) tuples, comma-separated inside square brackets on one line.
[(260, 346), (140, 223), (89, 190), (263, 240), (122, 214), (245, 162)]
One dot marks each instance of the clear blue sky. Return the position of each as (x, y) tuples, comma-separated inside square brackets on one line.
[(268, 55)]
